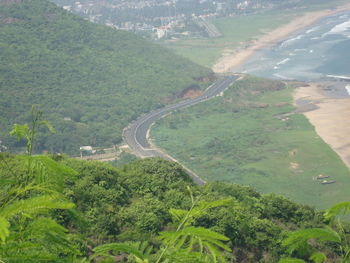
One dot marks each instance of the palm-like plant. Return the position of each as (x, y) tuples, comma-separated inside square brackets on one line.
[(29, 191)]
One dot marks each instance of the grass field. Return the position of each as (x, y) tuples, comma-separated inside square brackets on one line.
[(246, 138), (236, 32)]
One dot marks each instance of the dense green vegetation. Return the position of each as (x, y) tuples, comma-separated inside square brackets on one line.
[(56, 209), (31, 191), (124, 158), (251, 136), (130, 205), (90, 80)]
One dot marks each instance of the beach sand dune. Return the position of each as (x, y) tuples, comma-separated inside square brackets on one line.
[(228, 62), (331, 119)]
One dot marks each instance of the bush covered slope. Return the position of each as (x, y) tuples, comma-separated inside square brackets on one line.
[(131, 204), (96, 76)]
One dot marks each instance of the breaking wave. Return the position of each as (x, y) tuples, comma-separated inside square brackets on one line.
[(339, 29), (284, 61)]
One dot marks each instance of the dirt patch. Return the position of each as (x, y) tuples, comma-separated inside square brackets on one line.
[(294, 166), (191, 92), (293, 152), (330, 118)]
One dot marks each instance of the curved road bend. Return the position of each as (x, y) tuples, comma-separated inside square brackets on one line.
[(135, 135)]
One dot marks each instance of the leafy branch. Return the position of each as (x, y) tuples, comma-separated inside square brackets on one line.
[(186, 244), (299, 241)]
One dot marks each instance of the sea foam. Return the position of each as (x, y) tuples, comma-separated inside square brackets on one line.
[(289, 41), (312, 29), (338, 77), (339, 29), (284, 61), (347, 87)]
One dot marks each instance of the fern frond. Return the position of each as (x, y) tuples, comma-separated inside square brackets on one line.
[(201, 232), (200, 243), (318, 257), (197, 211), (177, 214), (341, 208), (116, 248), (21, 131), (43, 169), (203, 206), (204, 233), (143, 247), (16, 192), (54, 167), (299, 239), (219, 244), (47, 231), (42, 225), (146, 249), (182, 241), (191, 238), (214, 253), (34, 205)]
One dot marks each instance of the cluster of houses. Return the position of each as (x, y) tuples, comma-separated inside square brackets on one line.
[(168, 18)]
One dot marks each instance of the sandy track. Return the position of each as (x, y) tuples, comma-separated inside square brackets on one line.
[(331, 119), (228, 62)]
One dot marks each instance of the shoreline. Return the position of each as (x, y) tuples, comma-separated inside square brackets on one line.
[(330, 118), (226, 63)]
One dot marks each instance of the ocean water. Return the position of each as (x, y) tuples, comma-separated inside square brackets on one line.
[(319, 51)]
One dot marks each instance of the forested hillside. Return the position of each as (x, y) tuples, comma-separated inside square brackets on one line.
[(134, 207), (90, 80)]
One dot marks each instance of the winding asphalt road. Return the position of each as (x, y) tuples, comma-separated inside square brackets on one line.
[(136, 134)]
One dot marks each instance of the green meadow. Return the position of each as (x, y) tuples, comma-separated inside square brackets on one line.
[(251, 136)]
